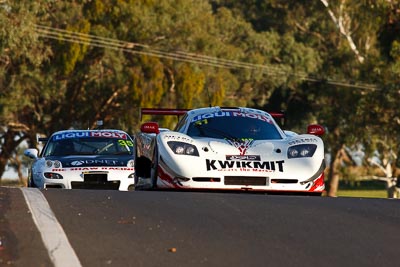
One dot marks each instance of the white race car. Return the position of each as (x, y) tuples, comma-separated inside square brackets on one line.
[(229, 149), (84, 159)]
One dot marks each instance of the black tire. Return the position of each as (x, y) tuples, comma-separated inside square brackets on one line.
[(30, 182), (154, 169)]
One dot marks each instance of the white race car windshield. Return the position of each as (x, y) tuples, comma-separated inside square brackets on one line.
[(88, 146), (227, 127)]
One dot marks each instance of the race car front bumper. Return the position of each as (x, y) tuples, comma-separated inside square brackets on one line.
[(122, 179)]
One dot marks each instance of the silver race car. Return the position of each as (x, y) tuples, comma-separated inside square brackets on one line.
[(87, 159), (229, 149)]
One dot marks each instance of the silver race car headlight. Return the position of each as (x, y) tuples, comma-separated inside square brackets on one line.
[(301, 151), (52, 175), (181, 148), (53, 163), (131, 163)]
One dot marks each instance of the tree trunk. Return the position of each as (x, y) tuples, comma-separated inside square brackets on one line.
[(22, 180), (3, 164), (11, 140), (342, 22), (333, 176)]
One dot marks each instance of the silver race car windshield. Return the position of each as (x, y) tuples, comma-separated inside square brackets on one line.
[(88, 146), (230, 127)]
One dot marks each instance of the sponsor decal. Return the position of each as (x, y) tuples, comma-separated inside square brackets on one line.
[(242, 144), (93, 169), (303, 140), (212, 165), (81, 134), (77, 163), (243, 157), (149, 126), (94, 162), (178, 138), (262, 117)]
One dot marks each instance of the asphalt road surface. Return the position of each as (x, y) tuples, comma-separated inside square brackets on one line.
[(109, 228)]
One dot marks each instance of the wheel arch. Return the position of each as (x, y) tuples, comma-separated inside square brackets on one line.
[(143, 167)]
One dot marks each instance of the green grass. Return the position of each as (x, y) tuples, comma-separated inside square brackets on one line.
[(10, 182), (370, 189), (367, 193)]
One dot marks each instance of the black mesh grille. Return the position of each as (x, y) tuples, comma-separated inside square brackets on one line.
[(245, 180), (96, 180), (95, 177), (206, 179), (114, 185), (284, 181)]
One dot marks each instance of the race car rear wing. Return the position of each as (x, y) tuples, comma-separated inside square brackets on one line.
[(179, 112), (277, 115), (162, 111), (43, 139)]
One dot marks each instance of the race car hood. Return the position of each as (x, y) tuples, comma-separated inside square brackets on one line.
[(242, 147), (92, 160)]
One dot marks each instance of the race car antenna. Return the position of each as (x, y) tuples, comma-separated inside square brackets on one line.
[(209, 98), (99, 124)]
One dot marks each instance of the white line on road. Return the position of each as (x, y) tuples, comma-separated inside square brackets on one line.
[(54, 238)]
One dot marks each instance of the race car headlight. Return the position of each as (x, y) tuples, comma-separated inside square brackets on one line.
[(53, 163), (52, 175), (182, 148), (131, 163), (301, 151)]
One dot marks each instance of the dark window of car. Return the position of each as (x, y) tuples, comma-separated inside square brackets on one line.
[(234, 128), (181, 124), (89, 146)]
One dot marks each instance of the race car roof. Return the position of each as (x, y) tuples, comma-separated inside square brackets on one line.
[(46, 139), (180, 112)]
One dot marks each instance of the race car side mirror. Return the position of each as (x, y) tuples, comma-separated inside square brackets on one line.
[(315, 129), (150, 127), (31, 153)]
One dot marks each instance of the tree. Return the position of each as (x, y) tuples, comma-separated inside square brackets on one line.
[(344, 38), (21, 55)]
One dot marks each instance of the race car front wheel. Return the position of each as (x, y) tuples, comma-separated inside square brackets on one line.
[(30, 182), (153, 171)]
